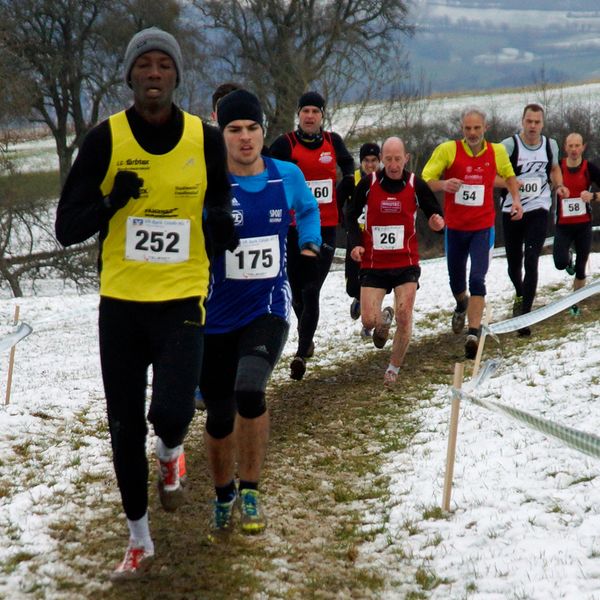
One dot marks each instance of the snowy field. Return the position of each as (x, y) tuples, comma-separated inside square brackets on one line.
[(525, 509), (507, 105)]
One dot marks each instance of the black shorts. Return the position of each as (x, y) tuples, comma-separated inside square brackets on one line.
[(388, 279), (223, 352)]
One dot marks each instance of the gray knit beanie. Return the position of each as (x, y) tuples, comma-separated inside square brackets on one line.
[(149, 39)]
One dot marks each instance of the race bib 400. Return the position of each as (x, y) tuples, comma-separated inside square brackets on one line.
[(531, 187)]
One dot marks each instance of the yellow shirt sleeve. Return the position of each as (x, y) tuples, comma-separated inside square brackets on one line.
[(442, 158), (504, 167)]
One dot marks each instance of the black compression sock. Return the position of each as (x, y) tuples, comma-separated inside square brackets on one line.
[(248, 485), (226, 492)]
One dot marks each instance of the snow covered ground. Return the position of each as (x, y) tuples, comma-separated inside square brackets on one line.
[(525, 508), (508, 105)]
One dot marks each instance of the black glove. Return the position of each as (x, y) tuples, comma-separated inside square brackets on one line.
[(343, 193), (127, 185), (221, 230), (309, 270)]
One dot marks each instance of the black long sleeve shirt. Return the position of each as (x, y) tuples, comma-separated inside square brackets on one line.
[(81, 211), (282, 150)]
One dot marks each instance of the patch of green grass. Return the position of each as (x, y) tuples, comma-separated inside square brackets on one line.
[(583, 479), (42, 415), (428, 580), (26, 187), (411, 526), (64, 530), (23, 450), (434, 512), (434, 541), (11, 563)]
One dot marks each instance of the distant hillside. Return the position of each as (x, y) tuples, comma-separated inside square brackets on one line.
[(467, 45)]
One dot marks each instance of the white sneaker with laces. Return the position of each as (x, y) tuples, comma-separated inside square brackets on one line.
[(171, 482), (134, 565), (390, 377)]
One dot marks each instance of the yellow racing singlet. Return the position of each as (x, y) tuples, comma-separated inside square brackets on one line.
[(154, 249)]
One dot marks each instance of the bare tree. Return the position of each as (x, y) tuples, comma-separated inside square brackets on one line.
[(344, 48), (69, 56)]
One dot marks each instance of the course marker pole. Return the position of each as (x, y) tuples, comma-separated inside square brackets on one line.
[(11, 361), (459, 370), (484, 329)]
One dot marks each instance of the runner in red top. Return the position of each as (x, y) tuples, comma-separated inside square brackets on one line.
[(318, 153), (463, 169), (387, 249), (574, 213)]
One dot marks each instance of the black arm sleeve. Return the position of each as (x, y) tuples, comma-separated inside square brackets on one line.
[(219, 229), (426, 199), (281, 149), (81, 212), (344, 158), (217, 188), (594, 172), (354, 209)]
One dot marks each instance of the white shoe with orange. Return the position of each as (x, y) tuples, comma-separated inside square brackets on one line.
[(171, 482), (135, 564)]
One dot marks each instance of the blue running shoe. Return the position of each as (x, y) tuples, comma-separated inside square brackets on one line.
[(223, 514), (252, 519)]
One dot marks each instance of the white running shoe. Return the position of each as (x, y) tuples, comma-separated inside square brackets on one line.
[(136, 563)]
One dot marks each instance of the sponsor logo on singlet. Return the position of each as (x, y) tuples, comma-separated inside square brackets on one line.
[(275, 215), (238, 217), (391, 205)]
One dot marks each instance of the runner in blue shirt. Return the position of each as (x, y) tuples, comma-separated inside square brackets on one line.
[(248, 308)]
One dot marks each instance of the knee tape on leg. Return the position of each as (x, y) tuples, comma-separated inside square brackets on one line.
[(253, 373), (219, 428), (251, 405)]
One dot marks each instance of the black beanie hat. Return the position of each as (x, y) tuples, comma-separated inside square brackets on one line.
[(311, 99), (239, 104), (369, 149)]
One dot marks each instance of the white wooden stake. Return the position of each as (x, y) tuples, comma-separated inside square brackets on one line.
[(486, 321), (459, 370), (11, 361)]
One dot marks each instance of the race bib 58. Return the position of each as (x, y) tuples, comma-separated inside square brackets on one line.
[(572, 207)]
